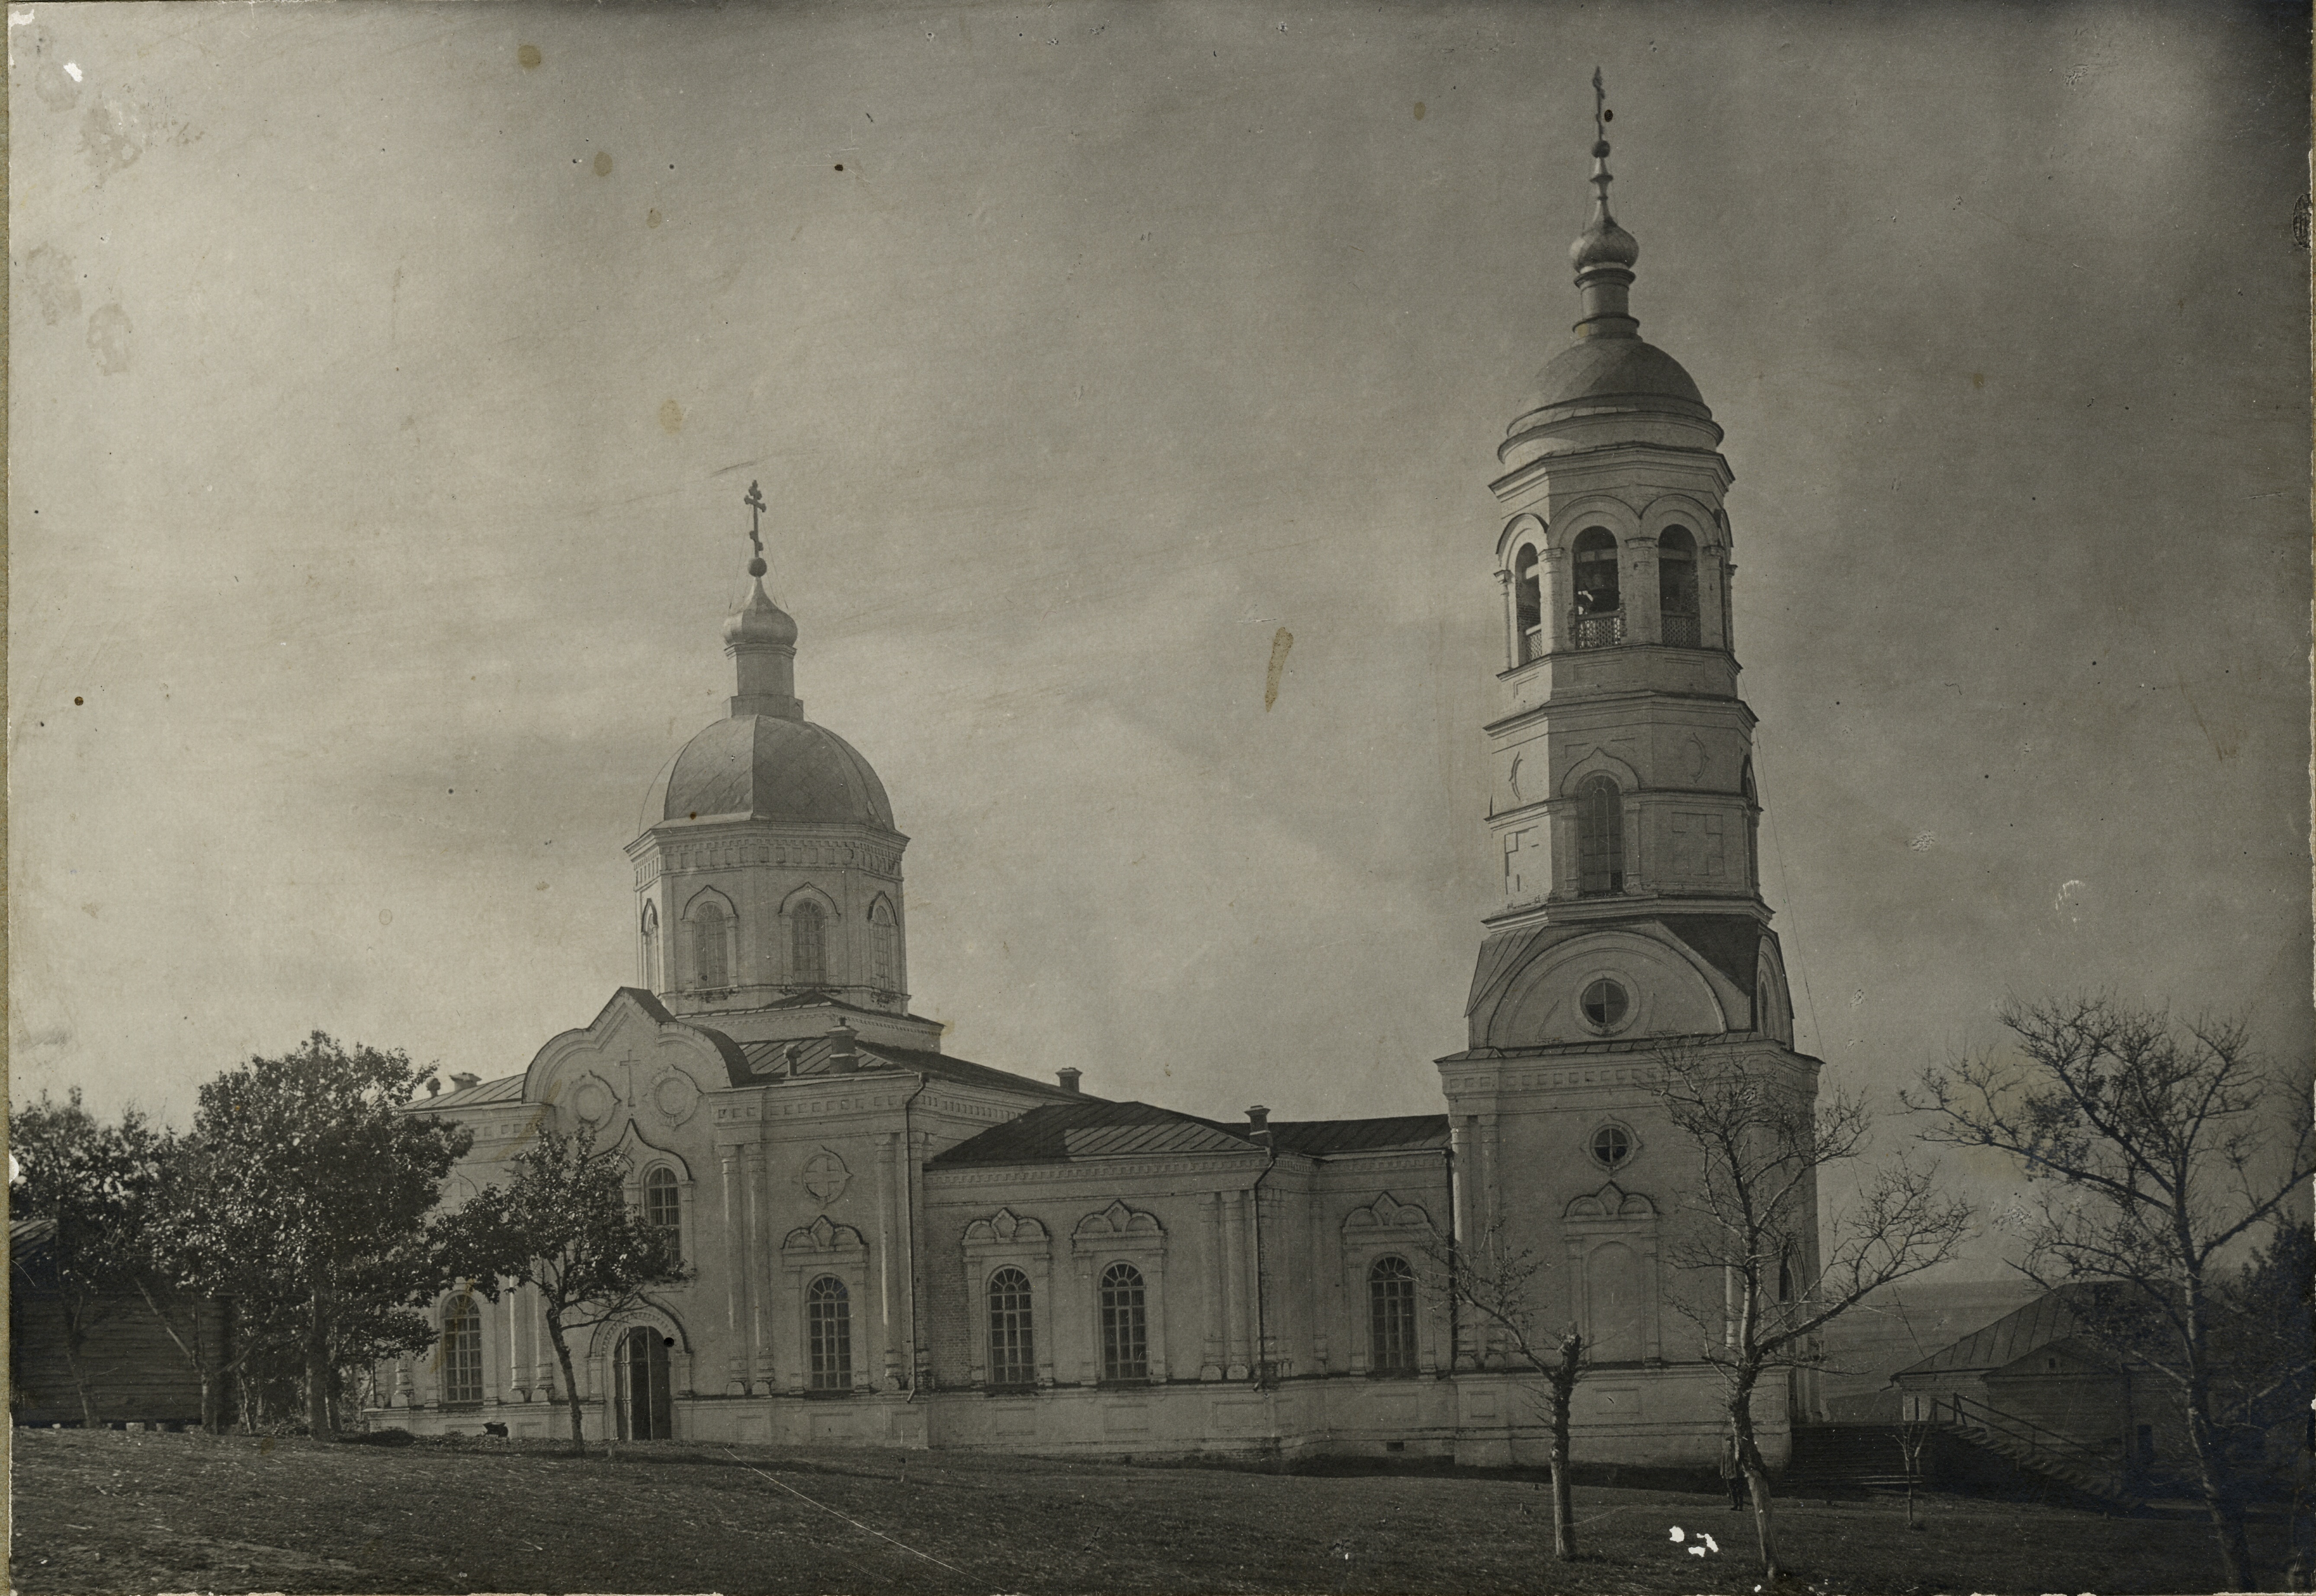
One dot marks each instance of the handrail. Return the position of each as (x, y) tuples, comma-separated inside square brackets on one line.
[(1996, 1419)]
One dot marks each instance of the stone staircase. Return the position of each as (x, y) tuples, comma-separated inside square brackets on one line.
[(1986, 1453)]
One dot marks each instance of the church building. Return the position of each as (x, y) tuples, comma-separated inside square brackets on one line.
[(895, 1246)]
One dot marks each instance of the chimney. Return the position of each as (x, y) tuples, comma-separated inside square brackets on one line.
[(460, 1080), (1258, 1125), (433, 1087), (791, 1056), (1068, 1078), (842, 1059)]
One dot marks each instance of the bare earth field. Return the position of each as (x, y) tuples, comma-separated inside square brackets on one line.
[(111, 1512)]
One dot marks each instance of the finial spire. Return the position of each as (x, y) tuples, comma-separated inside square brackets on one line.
[(1602, 116), (756, 504), (761, 637), (1604, 253)]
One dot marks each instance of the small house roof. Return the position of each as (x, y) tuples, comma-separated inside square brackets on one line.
[(2047, 1319)]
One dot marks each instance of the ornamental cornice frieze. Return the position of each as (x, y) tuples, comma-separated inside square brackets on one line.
[(723, 853)]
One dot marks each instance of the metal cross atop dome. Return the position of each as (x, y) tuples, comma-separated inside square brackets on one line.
[(756, 504), (1601, 117)]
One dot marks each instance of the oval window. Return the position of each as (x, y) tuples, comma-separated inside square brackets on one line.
[(1605, 1004), (1611, 1145)]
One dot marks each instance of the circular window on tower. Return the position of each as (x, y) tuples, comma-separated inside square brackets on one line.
[(1612, 1145), (1606, 1005)]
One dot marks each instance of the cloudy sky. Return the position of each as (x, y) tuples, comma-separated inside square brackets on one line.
[(384, 381)]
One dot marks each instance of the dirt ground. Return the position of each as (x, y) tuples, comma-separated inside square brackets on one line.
[(113, 1512)]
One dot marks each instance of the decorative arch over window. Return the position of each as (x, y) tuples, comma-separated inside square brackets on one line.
[(818, 1353), (1612, 1239), (711, 928), (650, 976), (1600, 837), (1007, 1243), (1120, 1254), (884, 944), (1677, 600), (1390, 1315), (1598, 618), (1385, 1234)]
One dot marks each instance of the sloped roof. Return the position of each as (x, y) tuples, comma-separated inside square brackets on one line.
[(1318, 1139), (2048, 1318), (505, 1089), (1088, 1128), (24, 1233), (767, 1060), (1730, 943)]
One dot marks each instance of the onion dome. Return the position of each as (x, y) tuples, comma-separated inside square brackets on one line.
[(1610, 382), (765, 761)]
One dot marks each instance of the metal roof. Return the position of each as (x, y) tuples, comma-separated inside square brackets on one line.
[(1319, 1137), (768, 1060), (505, 1089), (2048, 1318), (1063, 1133)]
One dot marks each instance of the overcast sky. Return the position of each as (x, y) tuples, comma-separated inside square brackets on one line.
[(384, 381)]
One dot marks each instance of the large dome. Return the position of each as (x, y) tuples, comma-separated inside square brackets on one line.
[(771, 768), (1609, 375)]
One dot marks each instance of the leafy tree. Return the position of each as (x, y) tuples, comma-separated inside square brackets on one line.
[(2164, 1151), (96, 1183), (1762, 1136), (1500, 1283), (314, 1190), (564, 1227)]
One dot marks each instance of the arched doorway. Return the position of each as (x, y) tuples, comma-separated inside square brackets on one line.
[(642, 1404)]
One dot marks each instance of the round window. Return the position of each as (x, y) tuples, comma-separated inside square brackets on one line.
[(1605, 1004), (1612, 1145)]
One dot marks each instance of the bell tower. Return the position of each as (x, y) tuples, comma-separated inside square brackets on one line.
[(1623, 809), (1621, 759)]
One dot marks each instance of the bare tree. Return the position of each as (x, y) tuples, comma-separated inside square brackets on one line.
[(1751, 1210), (1499, 1284), (2166, 1152)]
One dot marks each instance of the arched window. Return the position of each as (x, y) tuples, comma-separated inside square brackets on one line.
[(1527, 604), (1012, 1347), (663, 1201), (1786, 1276), (883, 940), (1125, 1331), (711, 948), (1600, 837), (462, 1351), (1599, 620), (828, 1332), (1390, 1316), (1612, 1285), (1676, 587), (807, 945), (650, 980)]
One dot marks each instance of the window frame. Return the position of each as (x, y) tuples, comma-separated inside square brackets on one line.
[(1117, 1370), (1012, 1327), (824, 1376), (1394, 1324), (1601, 870), (462, 1351)]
